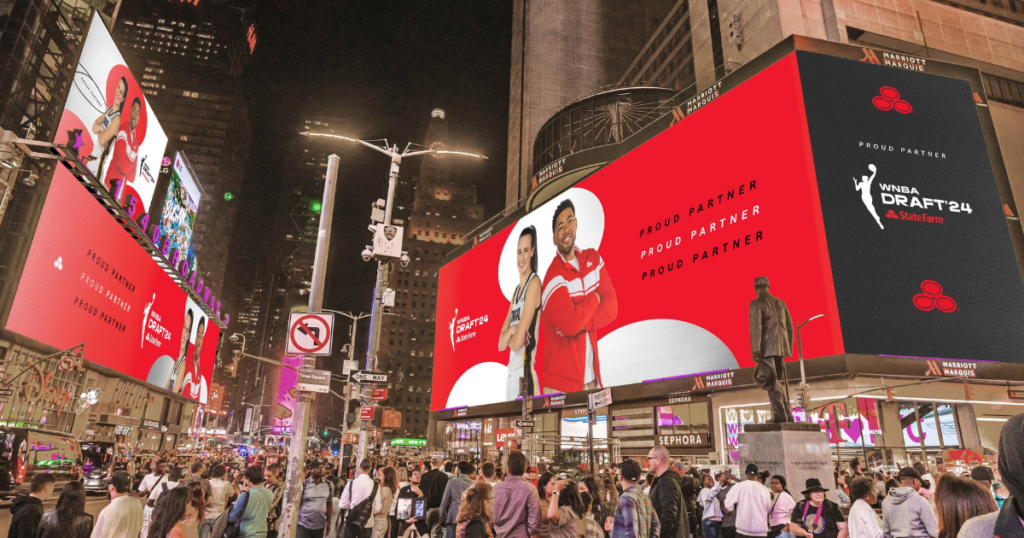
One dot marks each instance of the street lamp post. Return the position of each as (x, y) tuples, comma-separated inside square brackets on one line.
[(300, 417), (383, 262), (803, 375), (351, 352)]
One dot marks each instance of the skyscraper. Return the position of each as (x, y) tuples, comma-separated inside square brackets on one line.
[(189, 59), (282, 281), (562, 51), (438, 207)]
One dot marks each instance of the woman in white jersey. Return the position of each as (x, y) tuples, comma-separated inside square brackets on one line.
[(107, 125), (519, 333)]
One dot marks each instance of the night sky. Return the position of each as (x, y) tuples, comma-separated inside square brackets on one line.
[(383, 66)]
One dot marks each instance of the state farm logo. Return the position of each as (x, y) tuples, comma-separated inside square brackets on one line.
[(932, 298), (461, 329), (888, 98)]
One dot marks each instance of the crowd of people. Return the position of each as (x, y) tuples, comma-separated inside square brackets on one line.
[(390, 497)]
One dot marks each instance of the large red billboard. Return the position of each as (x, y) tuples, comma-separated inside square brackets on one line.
[(676, 229), (86, 280), (646, 269)]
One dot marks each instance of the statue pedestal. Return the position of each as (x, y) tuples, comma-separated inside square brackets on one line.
[(795, 450)]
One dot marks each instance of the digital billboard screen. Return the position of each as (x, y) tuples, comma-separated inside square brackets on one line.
[(122, 142), (87, 280), (177, 222), (646, 269), (286, 395)]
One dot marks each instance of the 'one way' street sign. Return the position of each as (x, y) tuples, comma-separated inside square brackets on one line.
[(364, 376)]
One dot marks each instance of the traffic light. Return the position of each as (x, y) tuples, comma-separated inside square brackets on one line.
[(968, 392), (890, 394), (325, 432)]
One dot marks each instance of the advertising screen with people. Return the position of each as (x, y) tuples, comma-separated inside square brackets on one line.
[(646, 269), (178, 219), (121, 141), (86, 280)]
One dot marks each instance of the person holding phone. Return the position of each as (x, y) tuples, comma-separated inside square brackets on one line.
[(410, 502)]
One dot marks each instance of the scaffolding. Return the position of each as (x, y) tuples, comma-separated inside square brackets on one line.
[(554, 447)]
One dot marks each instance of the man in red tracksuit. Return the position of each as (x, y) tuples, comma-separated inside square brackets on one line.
[(578, 299)]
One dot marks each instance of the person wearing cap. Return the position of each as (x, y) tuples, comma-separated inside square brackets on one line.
[(634, 516), (711, 519), (816, 516), (433, 484), (667, 495), (1007, 522), (726, 481), (751, 502), (905, 513)]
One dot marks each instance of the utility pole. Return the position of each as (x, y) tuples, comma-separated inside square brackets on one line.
[(384, 260), (300, 418)]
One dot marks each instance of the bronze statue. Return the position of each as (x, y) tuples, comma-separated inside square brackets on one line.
[(771, 341)]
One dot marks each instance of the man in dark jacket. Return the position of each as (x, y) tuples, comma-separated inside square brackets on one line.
[(29, 510), (667, 496), (433, 484)]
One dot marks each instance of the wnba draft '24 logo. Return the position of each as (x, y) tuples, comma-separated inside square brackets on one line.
[(464, 328)]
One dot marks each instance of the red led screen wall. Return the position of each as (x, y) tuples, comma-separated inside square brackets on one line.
[(86, 280), (670, 238)]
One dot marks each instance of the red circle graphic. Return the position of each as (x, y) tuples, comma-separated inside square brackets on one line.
[(881, 103), (902, 107), (945, 303), (924, 302), (931, 287), (889, 92)]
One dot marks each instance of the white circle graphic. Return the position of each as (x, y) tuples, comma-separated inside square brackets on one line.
[(589, 232)]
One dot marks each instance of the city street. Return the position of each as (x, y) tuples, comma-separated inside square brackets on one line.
[(265, 250)]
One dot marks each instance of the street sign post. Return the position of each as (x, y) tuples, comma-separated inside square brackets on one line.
[(524, 423), (310, 333), (366, 412), (601, 398), (366, 376), (314, 381)]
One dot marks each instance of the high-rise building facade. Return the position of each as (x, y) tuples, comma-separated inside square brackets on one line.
[(562, 51), (438, 208), (188, 60), (282, 281)]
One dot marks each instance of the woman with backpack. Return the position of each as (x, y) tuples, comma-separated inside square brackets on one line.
[(474, 519)]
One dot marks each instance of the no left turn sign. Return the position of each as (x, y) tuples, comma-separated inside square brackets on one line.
[(310, 333)]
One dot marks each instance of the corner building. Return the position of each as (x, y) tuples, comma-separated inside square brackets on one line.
[(913, 357)]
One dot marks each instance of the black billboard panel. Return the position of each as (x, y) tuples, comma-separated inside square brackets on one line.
[(920, 251)]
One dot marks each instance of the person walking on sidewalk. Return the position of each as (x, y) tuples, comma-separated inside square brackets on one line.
[(516, 502), (634, 516), (751, 501), (905, 513), (667, 495), (122, 518), (452, 498)]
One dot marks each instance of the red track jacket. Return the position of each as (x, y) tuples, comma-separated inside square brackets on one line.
[(568, 305)]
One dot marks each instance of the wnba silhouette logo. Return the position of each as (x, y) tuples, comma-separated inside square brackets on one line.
[(888, 98), (931, 298)]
